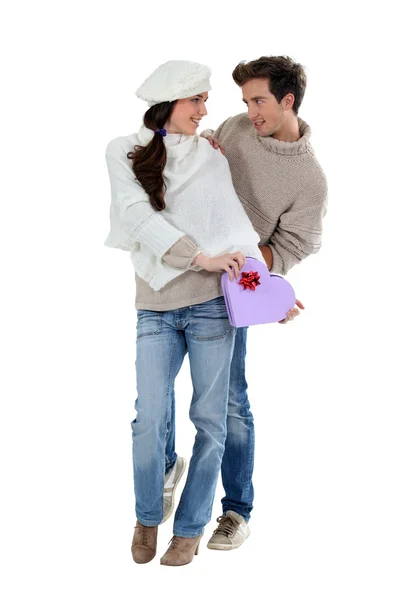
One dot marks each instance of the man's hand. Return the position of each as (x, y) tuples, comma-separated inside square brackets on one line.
[(215, 143), (292, 313)]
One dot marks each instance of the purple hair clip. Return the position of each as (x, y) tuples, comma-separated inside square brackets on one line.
[(161, 132)]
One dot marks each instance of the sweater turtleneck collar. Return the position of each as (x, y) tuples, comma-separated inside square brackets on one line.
[(177, 144), (288, 148)]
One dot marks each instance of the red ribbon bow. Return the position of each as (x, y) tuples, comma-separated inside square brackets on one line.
[(250, 280)]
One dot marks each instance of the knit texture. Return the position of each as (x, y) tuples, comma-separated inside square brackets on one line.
[(281, 186), (201, 204), (173, 80), (284, 192)]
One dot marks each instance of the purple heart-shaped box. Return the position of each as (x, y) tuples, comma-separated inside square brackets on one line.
[(267, 303)]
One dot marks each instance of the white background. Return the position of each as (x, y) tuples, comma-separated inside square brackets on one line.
[(324, 388)]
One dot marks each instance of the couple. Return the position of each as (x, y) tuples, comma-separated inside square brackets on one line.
[(187, 212)]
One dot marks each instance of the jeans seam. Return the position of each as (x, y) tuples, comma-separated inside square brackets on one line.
[(168, 389)]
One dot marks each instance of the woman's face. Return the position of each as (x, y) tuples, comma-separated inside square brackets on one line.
[(187, 114)]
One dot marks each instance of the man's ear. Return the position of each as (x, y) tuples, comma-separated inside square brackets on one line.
[(288, 101)]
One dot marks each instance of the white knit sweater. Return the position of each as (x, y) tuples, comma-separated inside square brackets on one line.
[(200, 202)]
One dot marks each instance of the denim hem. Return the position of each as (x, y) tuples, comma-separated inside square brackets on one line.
[(235, 509), (147, 523), (185, 534), (169, 468)]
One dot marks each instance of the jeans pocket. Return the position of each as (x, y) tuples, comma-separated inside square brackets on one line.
[(210, 320), (148, 323)]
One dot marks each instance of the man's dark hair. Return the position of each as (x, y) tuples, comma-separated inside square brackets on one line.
[(284, 75)]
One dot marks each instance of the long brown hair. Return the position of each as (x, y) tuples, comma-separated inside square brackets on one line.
[(285, 76), (149, 161)]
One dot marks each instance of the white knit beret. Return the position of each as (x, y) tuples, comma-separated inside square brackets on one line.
[(173, 80)]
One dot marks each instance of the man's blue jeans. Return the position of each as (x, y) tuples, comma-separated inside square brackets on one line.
[(238, 460), (163, 338)]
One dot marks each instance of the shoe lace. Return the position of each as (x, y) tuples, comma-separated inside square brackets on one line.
[(174, 543), (143, 532), (227, 526)]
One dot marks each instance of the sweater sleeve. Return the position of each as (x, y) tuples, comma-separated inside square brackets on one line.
[(299, 230), (131, 209), (181, 255)]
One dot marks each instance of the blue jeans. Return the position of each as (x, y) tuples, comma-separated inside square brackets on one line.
[(163, 338), (238, 460)]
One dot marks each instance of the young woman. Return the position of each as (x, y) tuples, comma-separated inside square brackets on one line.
[(175, 209)]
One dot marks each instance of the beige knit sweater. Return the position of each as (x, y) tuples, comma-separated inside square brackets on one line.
[(284, 192)]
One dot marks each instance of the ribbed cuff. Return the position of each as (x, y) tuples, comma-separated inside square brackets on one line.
[(277, 262), (158, 235), (182, 254), (196, 267)]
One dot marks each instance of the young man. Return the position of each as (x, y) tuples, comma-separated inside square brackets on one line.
[(284, 192)]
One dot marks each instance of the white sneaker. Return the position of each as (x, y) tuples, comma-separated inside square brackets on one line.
[(170, 484), (231, 532)]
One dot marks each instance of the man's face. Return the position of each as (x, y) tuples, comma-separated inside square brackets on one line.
[(264, 111)]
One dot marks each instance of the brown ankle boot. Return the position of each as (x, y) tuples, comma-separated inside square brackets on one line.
[(144, 543), (181, 551)]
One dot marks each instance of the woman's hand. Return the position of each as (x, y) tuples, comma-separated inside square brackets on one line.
[(292, 313), (230, 262)]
